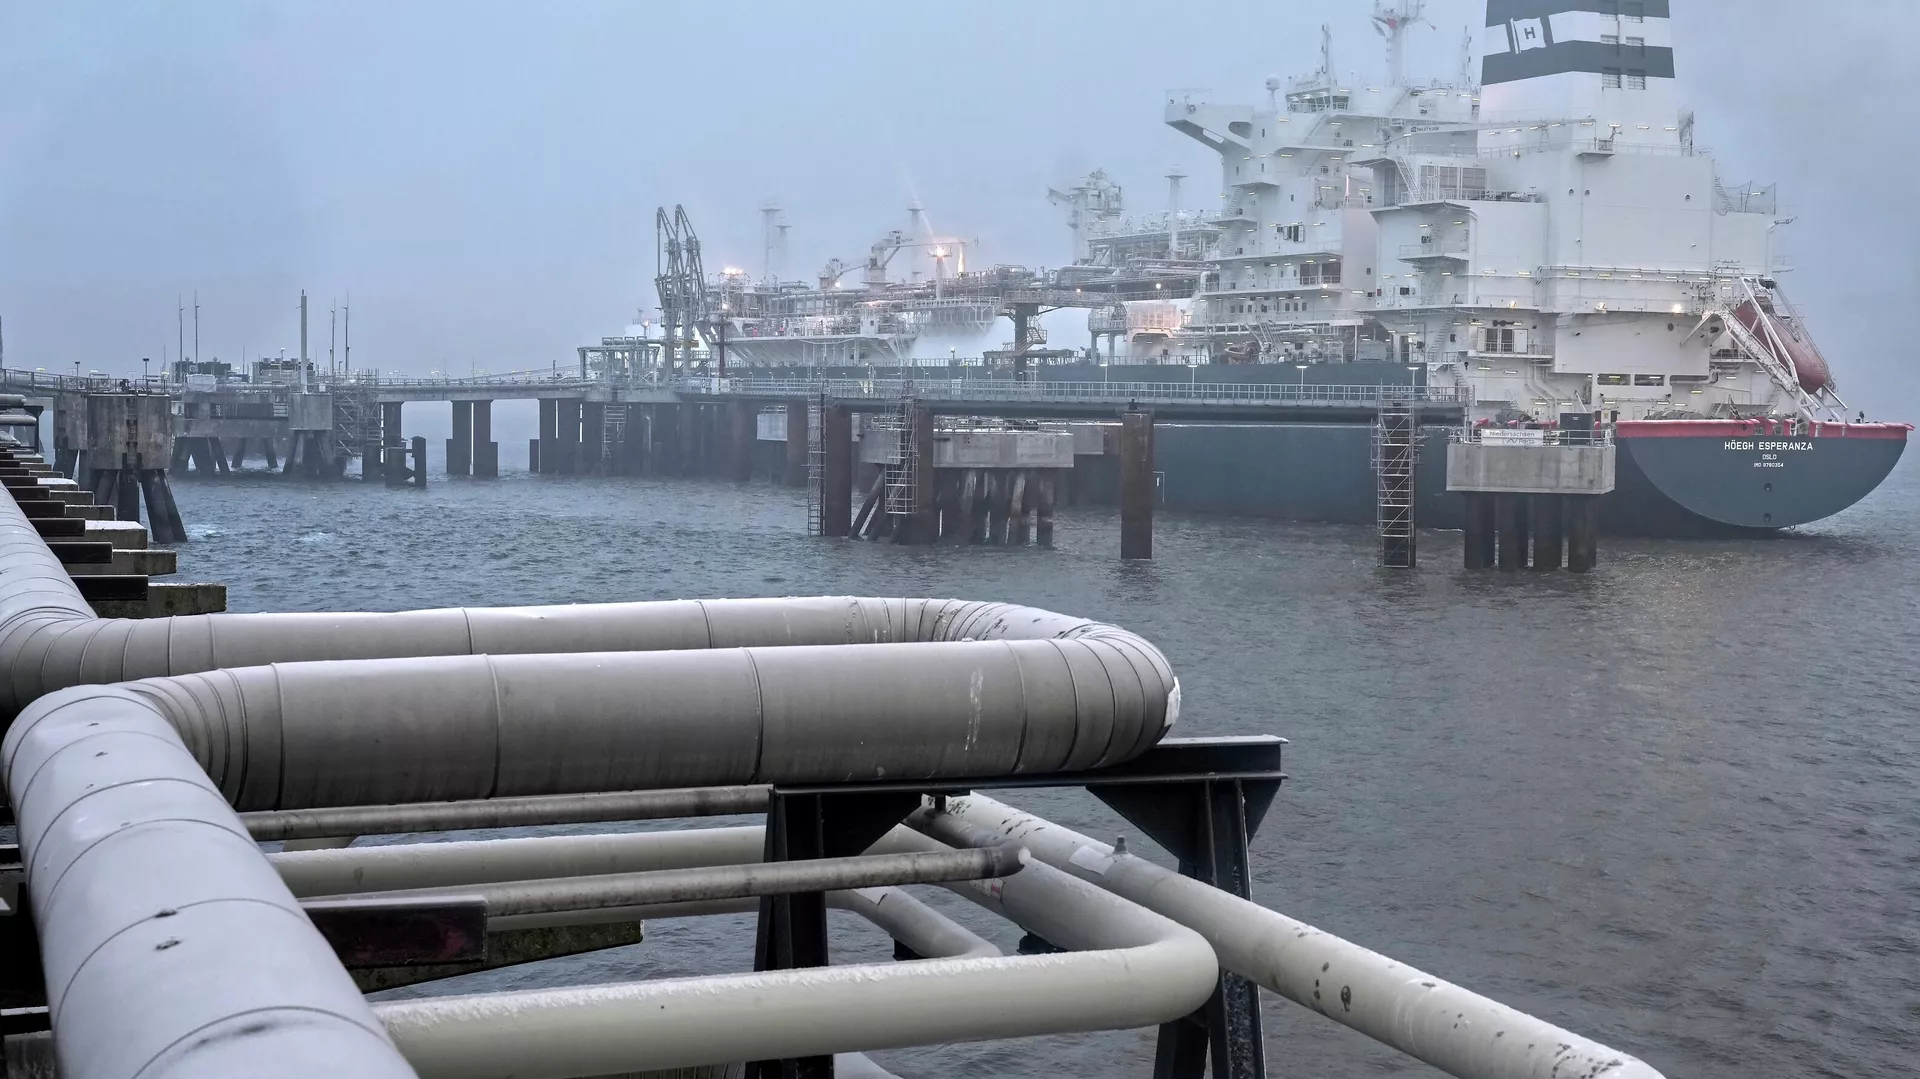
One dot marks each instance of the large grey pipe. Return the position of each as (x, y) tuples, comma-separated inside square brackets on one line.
[(50, 638), (158, 917), (358, 732)]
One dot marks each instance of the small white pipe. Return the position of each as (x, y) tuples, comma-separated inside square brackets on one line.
[(453, 865), (699, 884), (304, 825), (931, 934), (1458, 1031), (1144, 970), (485, 861)]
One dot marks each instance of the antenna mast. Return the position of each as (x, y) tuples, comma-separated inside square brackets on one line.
[(1174, 176), (772, 232), (1392, 18)]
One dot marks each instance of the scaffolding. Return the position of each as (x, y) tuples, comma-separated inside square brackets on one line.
[(356, 423), (1396, 452)]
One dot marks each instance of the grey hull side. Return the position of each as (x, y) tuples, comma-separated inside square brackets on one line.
[(1716, 486), (1293, 471), (1667, 487)]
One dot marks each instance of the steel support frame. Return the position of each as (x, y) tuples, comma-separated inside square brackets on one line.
[(1200, 798), (792, 931), (1206, 825)]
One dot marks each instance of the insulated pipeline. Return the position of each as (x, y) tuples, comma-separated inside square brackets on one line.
[(50, 638), (169, 945), (125, 793), (1456, 1030), (360, 732)]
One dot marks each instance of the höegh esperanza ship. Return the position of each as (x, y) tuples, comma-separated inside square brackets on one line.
[(1549, 238)]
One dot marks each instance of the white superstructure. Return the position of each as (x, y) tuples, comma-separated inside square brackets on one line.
[(876, 319), (1551, 237)]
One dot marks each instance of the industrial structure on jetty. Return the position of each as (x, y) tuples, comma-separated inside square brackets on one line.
[(1538, 273)]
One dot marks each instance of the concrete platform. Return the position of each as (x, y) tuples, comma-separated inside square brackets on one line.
[(126, 535), (1520, 469), (167, 600), (982, 448), (153, 563)]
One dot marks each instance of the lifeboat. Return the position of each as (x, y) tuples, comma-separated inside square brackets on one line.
[(1787, 343)]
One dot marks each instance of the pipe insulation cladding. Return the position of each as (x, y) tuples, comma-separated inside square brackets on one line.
[(361, 732), (171, 946), (50, 638)]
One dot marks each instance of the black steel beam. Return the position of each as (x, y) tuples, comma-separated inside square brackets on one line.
[(1242, 757), (401, 932)]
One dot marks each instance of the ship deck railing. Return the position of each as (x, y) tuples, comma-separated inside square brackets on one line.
[(1560, 436)]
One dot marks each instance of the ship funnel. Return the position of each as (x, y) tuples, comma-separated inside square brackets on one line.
[(1563, 59)]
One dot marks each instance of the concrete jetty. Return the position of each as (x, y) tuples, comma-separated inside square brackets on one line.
[(613, 418), (1532, 495)]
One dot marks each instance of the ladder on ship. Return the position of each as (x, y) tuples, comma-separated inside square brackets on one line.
[(1396, 452), (816, 466)]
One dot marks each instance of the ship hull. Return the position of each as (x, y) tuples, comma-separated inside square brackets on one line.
[(1723, 477), (1679, 484)]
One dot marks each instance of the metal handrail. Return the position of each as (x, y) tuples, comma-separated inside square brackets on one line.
[(1001, 390), (1008, 390), (1556, 436)]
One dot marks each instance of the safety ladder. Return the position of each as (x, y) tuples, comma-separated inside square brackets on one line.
[(613, 432), (899, 493), (1396, 450), (816, 467)]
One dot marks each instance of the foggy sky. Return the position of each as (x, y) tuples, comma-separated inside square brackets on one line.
[(482, 177)]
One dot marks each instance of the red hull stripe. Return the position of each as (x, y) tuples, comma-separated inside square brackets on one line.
[(1755, 428)]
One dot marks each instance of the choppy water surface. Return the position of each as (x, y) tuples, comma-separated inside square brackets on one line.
[(1671, 805)]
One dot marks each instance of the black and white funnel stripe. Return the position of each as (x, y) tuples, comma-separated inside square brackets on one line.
[(1527, 39)]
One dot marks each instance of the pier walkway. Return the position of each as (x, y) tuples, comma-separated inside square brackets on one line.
[(944, 392)]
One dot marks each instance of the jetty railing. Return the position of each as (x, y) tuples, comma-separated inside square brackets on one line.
[(1010, 391)]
